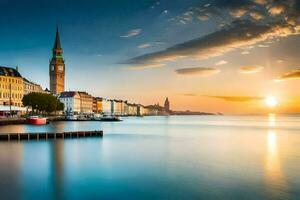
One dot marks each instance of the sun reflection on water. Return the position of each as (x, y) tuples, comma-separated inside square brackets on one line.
[(272, 120), (275, 179), (272, 143)]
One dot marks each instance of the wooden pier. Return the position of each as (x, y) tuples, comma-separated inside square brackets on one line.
[(49, 136)]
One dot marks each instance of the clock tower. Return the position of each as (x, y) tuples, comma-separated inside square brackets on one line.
[(57, 68)]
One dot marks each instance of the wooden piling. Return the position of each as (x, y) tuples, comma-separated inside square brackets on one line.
[(46, 136)]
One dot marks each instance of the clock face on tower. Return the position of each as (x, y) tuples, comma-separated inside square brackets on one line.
[(60, 68), (52, 67)]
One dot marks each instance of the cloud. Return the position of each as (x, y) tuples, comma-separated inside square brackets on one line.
[(295, 74), (189, 94), (238, 98), (240, 34), (132, 33), (261, 2), (165, 12), (263, 46), (198, 71), (145, 45), (238, 12), (245, 52), (253, 21), (146, 66), (221, 62), (279, 61), (203, 17), (250, 69), (257, 15), (276, 10)]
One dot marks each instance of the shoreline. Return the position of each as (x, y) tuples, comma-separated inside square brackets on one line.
[(22, 120)]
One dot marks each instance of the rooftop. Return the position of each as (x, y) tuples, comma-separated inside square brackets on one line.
[(67, 94), (8, 71)]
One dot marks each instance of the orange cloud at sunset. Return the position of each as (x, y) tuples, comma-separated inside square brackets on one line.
[(198, 71), (294, 74)]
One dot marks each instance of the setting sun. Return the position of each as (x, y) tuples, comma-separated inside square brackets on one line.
[(271, 101)]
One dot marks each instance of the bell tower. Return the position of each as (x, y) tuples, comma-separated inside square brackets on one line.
[(167, 105), (57, 67)]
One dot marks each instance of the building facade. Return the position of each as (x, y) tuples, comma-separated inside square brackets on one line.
[(132, 109), (106, 106), (11, 87), (77, 102), (30, 87), (86, 102), (98, 105), (72, 102), (125, 108), (57, 68), (118, 107), (152, 110)]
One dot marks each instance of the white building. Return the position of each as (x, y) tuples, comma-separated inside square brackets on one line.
[(72, 102)]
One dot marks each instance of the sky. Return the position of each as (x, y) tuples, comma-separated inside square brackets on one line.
[(223, 56)]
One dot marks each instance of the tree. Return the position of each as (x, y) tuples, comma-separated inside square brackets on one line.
[(41, 103)]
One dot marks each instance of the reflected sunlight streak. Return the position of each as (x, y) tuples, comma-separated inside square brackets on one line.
[(272, 119), (273, 171)]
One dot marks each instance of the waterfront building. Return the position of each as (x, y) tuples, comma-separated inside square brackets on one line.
[(125, 108), (72, 102), (76, 102), (11, 87), (94, 105), (152, 110), (167, 105), (118, 107), (107, 106), (139, 110), (97, 105), (132, 108), (57, 67), (30, 87), (86, 102)]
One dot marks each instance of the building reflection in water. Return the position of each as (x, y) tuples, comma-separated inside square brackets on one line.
[(275, 180), (10, 169), (58, 167)]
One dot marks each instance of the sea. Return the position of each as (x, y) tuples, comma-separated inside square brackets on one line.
[(157, 157)]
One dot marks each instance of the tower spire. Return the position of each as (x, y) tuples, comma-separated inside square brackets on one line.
[(57, 44), (57, 67)]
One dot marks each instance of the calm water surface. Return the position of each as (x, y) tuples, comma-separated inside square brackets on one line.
[(178, 157)]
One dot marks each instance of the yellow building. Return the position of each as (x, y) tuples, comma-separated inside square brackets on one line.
[(117, 107), (97, 105), (11, 87), (30, 87)]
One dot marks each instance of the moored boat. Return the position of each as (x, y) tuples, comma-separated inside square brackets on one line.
[(71, 117), (110, 118), (36, 120)]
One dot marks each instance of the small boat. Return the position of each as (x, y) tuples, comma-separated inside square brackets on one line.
[(82, 118), (110, 118), (36, 120), (71, 117)]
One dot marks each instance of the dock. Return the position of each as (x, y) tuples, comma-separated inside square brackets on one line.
[(49, 136)]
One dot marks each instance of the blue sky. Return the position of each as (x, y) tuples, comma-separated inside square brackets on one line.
[(129, 49)]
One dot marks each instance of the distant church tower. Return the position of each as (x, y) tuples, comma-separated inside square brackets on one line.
[(167, 105), (57, 68)]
